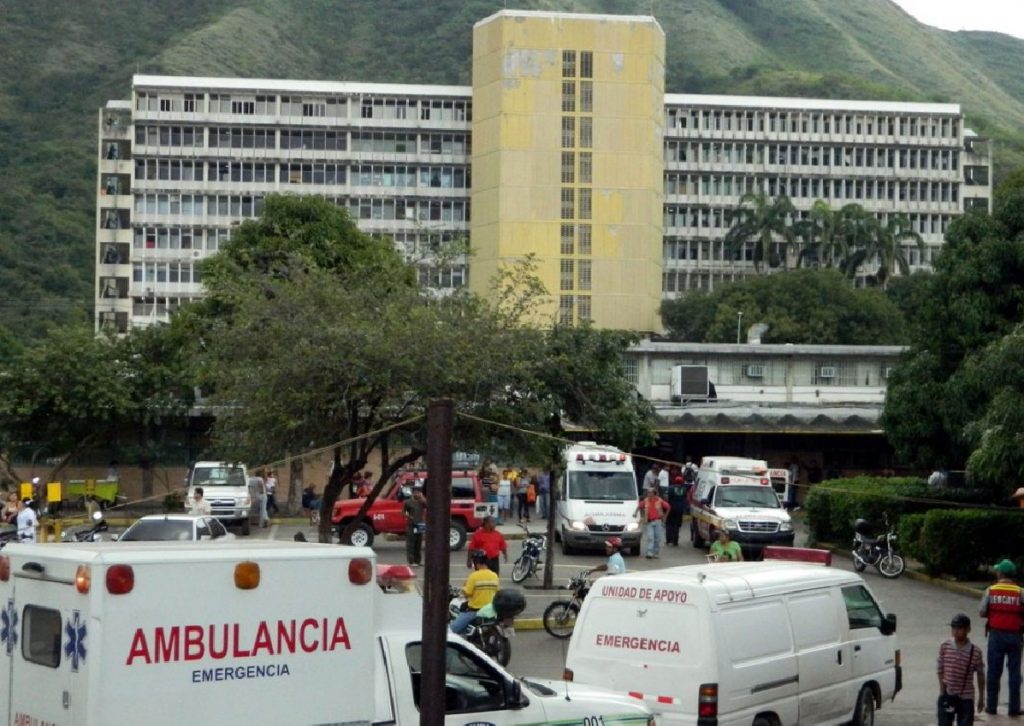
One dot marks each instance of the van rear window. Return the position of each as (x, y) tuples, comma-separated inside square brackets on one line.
[(40, 636)]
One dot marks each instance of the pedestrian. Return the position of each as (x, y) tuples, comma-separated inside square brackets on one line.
[(489, 481), (794, 484), (413, 509), (10, 511), (678, 506), (615, 564), (523, 495), (365, 485), (653, 510), (724, 549), (492, 542), (958, 659), (199, 505), (26, 521), (543, 493), (271, 487), (1003, 605), (505, 495), (651, 477)]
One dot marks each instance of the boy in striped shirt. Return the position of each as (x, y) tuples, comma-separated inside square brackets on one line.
[(958, 658)]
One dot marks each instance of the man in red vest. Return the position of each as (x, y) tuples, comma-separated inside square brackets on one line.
[(1003, 605)]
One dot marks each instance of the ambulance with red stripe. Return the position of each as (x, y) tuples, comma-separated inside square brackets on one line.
[(249, 632), (740, 644)]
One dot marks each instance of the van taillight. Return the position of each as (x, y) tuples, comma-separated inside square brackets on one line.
[(707, 700), (724, 480), (83, 579), (5, 568), (120, 579), (360, 571), (567, 674), (247, 575), (765, 481)]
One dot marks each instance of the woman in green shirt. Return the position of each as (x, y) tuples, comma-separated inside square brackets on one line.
[(725, 550)]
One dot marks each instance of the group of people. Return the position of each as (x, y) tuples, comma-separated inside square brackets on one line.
[(665, 503), (1003, 608), (517, 489), (19, 512)]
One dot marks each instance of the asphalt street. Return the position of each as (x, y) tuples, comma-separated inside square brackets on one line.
[(923, 611)]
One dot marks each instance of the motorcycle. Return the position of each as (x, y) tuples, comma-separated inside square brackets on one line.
[(534, 547), (560, 616), (880, 552), (89, 534), (490, 633)]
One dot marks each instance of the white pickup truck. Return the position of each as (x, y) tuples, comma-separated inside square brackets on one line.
[(241, 633)]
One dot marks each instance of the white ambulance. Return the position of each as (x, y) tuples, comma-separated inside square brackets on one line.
[(242, 633), (597, 499), (735, 644), (737, 495)]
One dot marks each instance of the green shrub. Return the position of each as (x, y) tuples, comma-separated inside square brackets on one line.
[(910, 535), (960, 542)]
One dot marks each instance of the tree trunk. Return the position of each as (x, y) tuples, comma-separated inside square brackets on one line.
[(295, 476)]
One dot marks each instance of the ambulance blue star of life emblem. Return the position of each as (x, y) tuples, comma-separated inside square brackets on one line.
[(9, 627), (75, 647)]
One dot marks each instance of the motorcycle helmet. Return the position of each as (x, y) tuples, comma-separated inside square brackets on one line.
[(614, 542), (862, 526), (478, 556)]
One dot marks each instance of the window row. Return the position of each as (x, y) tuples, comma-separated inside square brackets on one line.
[(577, 203), (198, 205), (410, 209), (812, 156), (576, 239), (585, 98), (585, 167), (577, 131), (703, 250), (814, 122), (166, 272), (721, 219), (443, 276), (575, 275), (585, 65), (574, 308), (734, 185)]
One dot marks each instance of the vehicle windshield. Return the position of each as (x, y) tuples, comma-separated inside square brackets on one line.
[(731, 496), (609, 486), (158, 530), (218, 476)]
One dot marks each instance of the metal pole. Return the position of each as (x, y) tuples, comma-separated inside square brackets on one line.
[(436, 555), (739, 322)]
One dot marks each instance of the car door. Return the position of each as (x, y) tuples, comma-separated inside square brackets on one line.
[(217, 530), (873, 654), (823, 655), (202, 529)]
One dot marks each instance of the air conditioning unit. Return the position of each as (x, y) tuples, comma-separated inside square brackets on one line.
[(689, 382), (827, 372), (754, 371)]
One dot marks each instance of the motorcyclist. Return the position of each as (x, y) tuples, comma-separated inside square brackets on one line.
[(615, 565), (479, 591)]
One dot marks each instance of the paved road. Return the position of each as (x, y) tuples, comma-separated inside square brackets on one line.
[(923, 611)]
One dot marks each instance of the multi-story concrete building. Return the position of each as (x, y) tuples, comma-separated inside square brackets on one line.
[(620, 191)]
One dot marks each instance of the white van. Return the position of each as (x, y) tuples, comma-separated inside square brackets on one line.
[(227, 487), (597, 499), (736, 494), (739, 643)]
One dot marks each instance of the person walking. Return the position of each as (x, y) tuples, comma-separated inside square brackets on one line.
[(653, 509), (26, 521), (505, 495), (543, 489), (958, 659), (651, 477), (10, 510), (492, 542), (199, 505), (1003, 606), (678, 506), (413, 509), (271, 487), (523, 495)]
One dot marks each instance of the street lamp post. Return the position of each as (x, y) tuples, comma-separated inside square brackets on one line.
[(739, 324)]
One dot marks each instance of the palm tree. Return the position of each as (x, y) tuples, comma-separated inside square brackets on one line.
[(888, 248), (858, 229), (822, 243), (761, 220)]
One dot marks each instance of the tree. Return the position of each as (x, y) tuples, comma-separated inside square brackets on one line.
[(822, 243), (799, 306), (764, 221), (858, 230), (887, 247)]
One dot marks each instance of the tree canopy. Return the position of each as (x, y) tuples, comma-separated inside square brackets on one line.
[(799, 306)]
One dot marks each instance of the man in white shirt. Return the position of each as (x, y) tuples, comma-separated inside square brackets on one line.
[(27, 522), (271, 485), (199, 504)]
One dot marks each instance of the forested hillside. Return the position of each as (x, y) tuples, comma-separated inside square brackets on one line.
[(61, 59)]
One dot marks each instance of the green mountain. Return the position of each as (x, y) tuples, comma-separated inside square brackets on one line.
[(60, 60)]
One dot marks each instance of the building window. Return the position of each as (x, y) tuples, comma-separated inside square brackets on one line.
[(585, 203), (565, 310), (583, 308), (568, 274), (583, 282), (586, 64), (583, 232), (568, 132), (568, 167), (567, 239), (568, 64), (586, 170), (586, 132), (568, 97), (165, 104), (631, 369), (568, 209), (586, 96)]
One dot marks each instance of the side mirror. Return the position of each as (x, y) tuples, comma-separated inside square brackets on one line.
[(888, 626), (706, 502), (404, 493), (514, 695)]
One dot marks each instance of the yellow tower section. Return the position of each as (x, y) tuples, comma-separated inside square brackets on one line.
[(568, 114)]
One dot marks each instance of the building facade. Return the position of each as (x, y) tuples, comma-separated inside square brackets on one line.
[(566, 147)]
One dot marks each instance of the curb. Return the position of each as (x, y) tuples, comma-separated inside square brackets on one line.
[(951, 585), (529, 624)]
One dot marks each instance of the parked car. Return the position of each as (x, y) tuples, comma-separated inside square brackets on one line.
[(176, 528)]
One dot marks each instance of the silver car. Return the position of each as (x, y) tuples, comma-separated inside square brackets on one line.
[(176, 528)]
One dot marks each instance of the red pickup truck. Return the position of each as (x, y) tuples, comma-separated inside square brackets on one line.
[(469, 507)]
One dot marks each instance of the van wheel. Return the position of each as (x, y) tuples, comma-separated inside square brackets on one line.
[(456, 536), (764, 721), (695, 537), (864, 713), (246, 527), (362, 535), (566, 549)]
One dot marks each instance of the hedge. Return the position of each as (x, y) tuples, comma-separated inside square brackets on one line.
[(955, 541)]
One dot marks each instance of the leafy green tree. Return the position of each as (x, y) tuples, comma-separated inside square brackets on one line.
[(887, 247), (799, 306), (822, 244), (858, 229), (765, 222)]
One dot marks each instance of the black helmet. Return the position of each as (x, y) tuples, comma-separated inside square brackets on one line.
[(478, 556), (862, 526)]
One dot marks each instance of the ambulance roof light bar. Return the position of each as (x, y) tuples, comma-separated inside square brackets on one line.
[(807, 555)]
